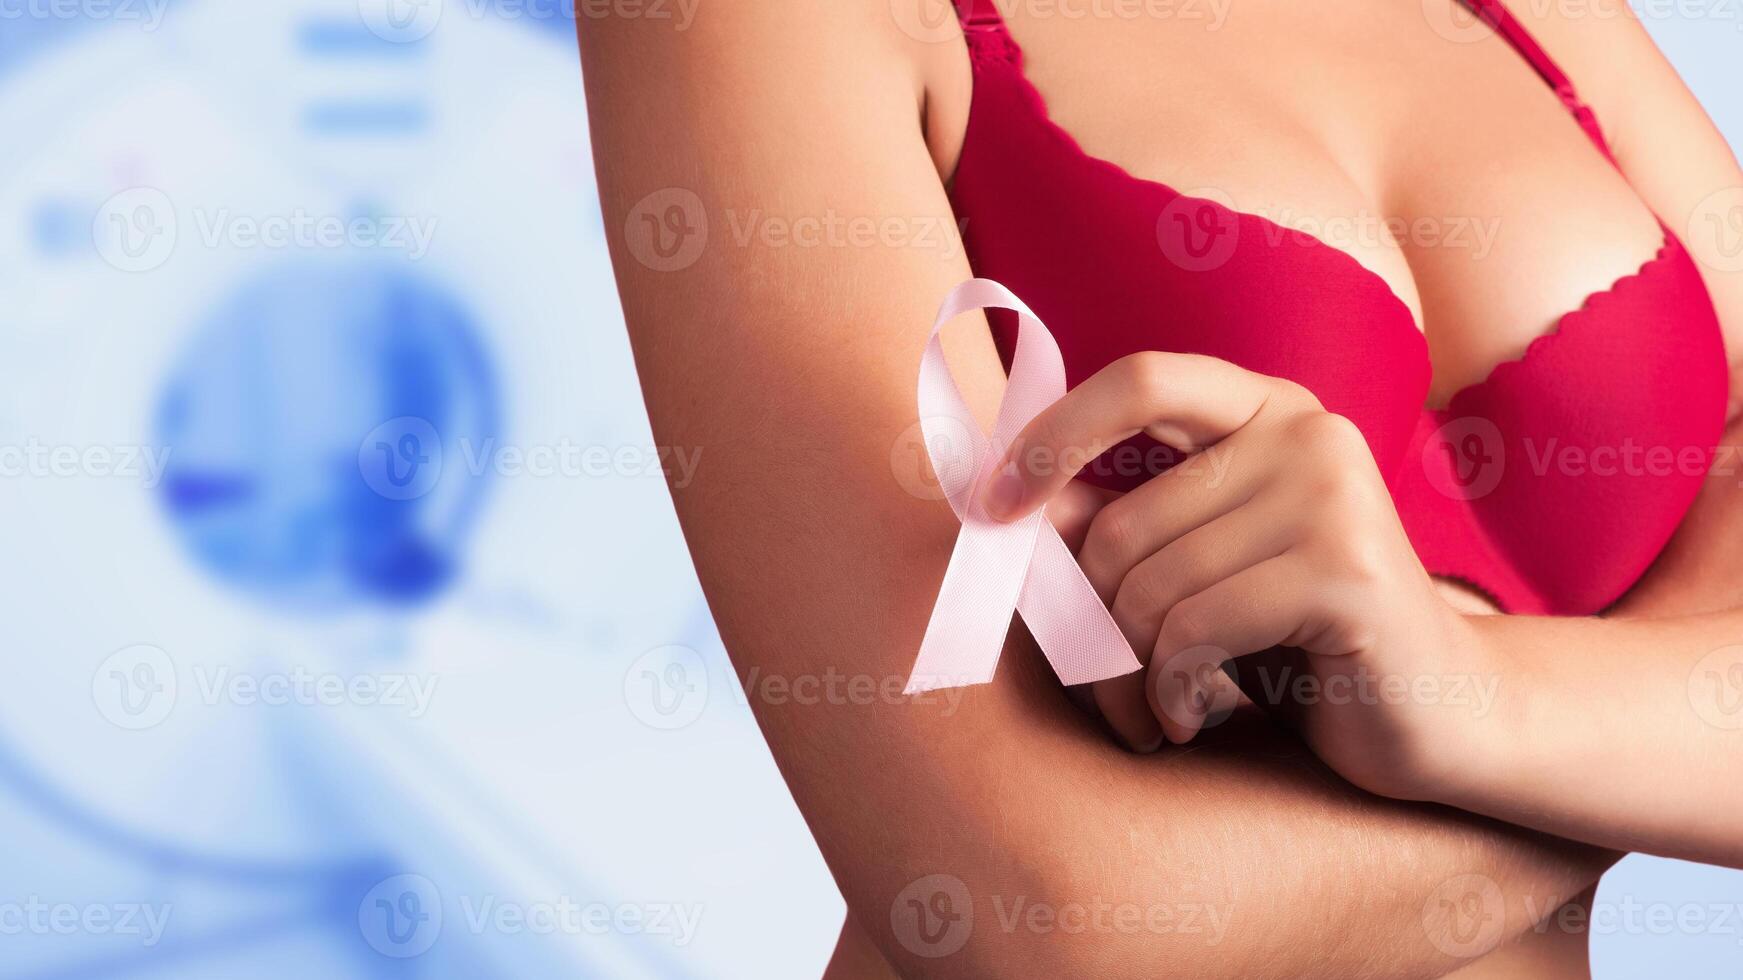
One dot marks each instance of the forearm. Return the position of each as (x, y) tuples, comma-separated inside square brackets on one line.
[(1314, 877), (1240, 857), (1624, 732)]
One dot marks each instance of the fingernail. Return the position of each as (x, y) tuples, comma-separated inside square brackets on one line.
[(1004, 495), (1151, 744)]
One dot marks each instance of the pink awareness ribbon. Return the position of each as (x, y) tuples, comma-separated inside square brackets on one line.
[(997, 568)]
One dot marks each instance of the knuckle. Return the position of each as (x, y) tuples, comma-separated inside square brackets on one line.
[(1344, 475), (1344, 490), (1139, 601), (1190, 623), (1294, 395), (1330, 433), (1190, 560), (1150, 374), (1110, 536), (1364, 565), (1348, 554)]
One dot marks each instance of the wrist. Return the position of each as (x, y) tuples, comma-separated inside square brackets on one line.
[(1478, 736), (1471, 739)]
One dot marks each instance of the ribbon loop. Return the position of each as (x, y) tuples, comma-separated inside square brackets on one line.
[(998, 568)]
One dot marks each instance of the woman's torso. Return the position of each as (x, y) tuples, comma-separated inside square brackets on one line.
[(1384, 200)]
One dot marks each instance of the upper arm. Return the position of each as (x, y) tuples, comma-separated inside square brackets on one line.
[(783, 352), (1664, 141)]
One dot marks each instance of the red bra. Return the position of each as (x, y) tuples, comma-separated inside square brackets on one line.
[(1550, 486)]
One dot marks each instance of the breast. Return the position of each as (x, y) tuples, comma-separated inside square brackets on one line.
[(1553, 484), (1116, 265), (1550, 485)]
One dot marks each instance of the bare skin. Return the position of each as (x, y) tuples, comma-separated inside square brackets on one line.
[(1603, 730), (1296, 542), (792, 369)]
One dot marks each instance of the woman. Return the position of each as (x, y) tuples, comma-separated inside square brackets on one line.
[(1403, 458)]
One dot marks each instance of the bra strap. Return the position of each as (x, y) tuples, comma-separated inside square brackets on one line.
[(980, 14), (989, 41), (1502, 22)]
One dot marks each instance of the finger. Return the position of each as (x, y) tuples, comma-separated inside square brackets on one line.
[(1160, 511), (1196, 561), (1199, 560), (1127, 711), (1186, 401), (1274, 603)]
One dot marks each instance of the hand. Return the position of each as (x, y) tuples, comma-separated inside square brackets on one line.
[(1289, 540)]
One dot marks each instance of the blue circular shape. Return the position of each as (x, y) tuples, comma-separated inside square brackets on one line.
[(401, 916), (318, 429)]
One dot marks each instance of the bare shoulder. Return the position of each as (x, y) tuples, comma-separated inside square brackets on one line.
[(1592, 29), (1613, 62), (1676, 159), (748, 74), (736, 48)]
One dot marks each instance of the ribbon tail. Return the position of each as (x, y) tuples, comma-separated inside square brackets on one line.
[(973, 614), (1067, 618)]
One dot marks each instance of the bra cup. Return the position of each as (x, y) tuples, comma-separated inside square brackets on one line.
[(1575, 464), (1545, 486)]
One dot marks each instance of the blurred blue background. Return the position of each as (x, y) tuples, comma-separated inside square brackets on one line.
[(350, 633), (340, 560)]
